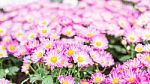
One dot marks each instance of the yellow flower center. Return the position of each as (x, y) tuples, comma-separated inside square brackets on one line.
[(70, 52), (2, 47), (48, 46), (132, 38), (147, 35), (139, 49), (143, 21), (32, 36), (148, 58), (65, 82), (102, 61), (27, 66), (40, 54), (44, 31), (53, 59), (84, 82), (89, 34), (22, 52), (98, 79), (80, 59), (62, 62), (54, 18), (19, 34), (98, 43), (122, 24), (1, 54), (12, 47), (3, 18), (1, 31), (115, 80), (30, 19), (131, 80), (44, 22), (68, 32), (54, 36)]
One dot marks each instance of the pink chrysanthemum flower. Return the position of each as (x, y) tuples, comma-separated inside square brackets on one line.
[(38, 54), (142, 20), (68, 31), (82, 59), (59, 47), (146, 34), (7, 39), (130, 76), (98, 77), (31, 35), (64, 62), (19, 34), (20, 51), (11, 47), (44, 31), (26, 64), (46, 43), (54, 35), (71, 50), (25, 67), (53, 58), (139, 48), (124, 23), (145, 59), (44, 22), (66, 79), (114, 78), (103, 58), (100, 42), (32, 44), (132, 37), (134, 64), (3, 31), (88, 32)]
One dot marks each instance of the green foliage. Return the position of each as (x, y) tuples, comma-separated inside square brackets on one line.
[(2, 73), (13, 70), (124, 58), (35, 77), (119, 51), (41, 75), (47, 80)]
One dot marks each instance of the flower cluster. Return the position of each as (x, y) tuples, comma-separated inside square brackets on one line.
[(61, 36)]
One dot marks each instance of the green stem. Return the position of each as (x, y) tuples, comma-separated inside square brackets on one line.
[(59, 72), (79, 69), (38, 65), (132, 50), (32, 69), (103, 70), (97, 68), (23, 82)]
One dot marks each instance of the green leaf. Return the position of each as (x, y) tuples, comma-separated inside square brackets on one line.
[(42, 72), (89, 70), (124, 58), (48, 80), (144, 69), (35, 77), (2, 73), (13, 70), (1, 60)]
